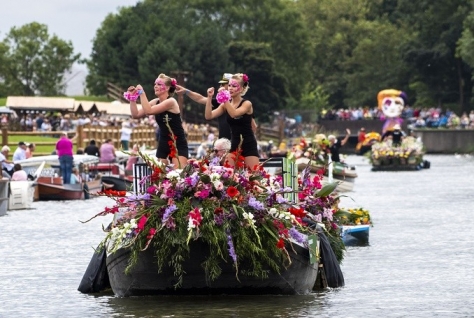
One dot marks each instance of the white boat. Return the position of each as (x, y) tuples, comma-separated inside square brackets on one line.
[(22, 193), (341, 173), (53, 160)]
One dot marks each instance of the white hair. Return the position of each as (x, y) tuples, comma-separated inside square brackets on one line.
[(223, 142), (5, 148)]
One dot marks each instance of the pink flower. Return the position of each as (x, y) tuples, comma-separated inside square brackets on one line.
[(245, 78), (173, 82), (141, 222), (223, 96), (129, 96)]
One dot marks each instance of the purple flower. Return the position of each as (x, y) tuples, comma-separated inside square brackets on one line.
[(255, 204), (231, 247), (296, 235), (168, 211), (137, 198)]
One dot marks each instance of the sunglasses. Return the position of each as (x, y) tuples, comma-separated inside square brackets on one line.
[(217, 151)]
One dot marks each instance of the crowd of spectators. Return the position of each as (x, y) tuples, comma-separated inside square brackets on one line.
[(416, 117)]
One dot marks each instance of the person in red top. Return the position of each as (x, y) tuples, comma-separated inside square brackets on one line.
[(361, 136), (64, 150)]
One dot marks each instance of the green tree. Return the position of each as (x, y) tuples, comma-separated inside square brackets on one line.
[(431, 55), (195, 36), (33, 62)]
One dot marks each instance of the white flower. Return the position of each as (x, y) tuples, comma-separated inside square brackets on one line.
[(218, 185), (191, 224), (215, 177), (273, 212), (173, 175)]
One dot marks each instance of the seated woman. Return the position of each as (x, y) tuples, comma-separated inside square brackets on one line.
[(19, 174), (76, 178)]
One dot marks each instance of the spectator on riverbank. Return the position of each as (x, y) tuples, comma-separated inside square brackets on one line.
[(64, 150), (92, 149), (29, 151), (20, 152), (107, 152)]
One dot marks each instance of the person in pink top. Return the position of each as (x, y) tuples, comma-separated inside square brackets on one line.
[(133, 159), (107, 152), (64, 150)]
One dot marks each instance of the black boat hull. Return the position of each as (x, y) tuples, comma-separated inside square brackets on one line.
[(298, 279)]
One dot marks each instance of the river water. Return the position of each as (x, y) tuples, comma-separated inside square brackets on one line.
[(419, 262)]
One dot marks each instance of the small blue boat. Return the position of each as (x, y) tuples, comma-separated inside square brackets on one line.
[(355, 234)]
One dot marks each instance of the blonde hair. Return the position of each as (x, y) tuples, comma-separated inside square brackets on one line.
[(169, 82), (245, 84)]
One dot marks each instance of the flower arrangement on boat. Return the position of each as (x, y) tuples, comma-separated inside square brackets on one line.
[(353, 216), (410, 151), (245, 217)]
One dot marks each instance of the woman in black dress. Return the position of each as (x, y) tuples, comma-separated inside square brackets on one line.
[(166, 110), (239, 117)]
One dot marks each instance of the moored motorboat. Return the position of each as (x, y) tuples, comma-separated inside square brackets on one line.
[(22, 193), (355, 234), (117, 182), (343, 174), (50, 186)]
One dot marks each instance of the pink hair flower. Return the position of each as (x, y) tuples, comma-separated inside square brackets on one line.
[(223, 96), (173, 82), (245, 78)]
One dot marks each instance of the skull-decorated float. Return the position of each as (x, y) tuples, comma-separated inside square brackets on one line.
[(395, 150)]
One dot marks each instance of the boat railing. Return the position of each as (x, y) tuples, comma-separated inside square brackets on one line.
[(275, 166), (140, 181)]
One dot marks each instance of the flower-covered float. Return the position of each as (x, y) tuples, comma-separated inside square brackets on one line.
[(408, 155), (211, 229), (355, 225), (313, 154), (395, 151)]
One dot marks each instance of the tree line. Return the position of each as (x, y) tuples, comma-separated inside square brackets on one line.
[(298, 54)]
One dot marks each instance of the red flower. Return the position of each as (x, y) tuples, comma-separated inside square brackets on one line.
[(297, 212), (151, 233), (141, 222), (232, 191), (218, 210), (280, 244)]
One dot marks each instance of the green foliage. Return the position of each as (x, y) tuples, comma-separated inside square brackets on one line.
[(33, 62)]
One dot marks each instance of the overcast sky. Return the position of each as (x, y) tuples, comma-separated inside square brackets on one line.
[(71, 20)]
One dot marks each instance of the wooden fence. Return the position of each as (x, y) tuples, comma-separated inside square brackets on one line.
[(142, 135)]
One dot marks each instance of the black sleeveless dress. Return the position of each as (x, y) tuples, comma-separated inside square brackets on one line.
[(242, 126), (176, 125)]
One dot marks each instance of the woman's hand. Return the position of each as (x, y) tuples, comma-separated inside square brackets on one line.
[(139, 87), (210, 92), (131, 89), (179, 89), (348, 131)]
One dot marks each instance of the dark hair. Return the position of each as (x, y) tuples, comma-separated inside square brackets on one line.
[(16, 167), (92, 142)]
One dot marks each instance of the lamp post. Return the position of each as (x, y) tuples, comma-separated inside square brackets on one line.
[(181, 78)]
